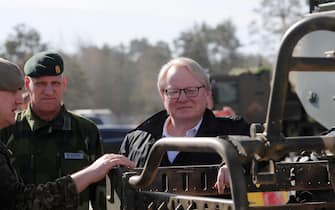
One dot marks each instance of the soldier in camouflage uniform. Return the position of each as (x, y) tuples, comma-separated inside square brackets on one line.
[(60, 194), (48, 141)]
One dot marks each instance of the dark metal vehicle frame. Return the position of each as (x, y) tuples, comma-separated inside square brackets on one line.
[(191, 187)]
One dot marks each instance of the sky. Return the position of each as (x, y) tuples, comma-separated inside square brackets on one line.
[(66, 23)]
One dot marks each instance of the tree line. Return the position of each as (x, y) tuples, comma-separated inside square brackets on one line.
[(123, 77)]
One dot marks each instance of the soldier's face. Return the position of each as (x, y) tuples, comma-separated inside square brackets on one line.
[(10, 101), (185, 108), (46, 93)]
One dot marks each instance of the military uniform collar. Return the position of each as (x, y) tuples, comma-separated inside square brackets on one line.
[(61, 122)]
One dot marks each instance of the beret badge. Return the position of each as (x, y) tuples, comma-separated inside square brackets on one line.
[(57, 69)]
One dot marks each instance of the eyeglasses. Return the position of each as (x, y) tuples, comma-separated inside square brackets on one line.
[(189, 92)]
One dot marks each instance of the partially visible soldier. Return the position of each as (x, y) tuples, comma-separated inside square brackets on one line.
[(59, 194), (47, 140)]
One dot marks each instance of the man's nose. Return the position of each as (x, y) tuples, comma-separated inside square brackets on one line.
[(182, 96), (48, 89)]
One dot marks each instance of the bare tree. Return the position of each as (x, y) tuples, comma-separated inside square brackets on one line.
[(215, 48), (23, 43), (275, 17)]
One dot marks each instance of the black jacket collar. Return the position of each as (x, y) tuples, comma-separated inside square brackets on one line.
[(155, 124)]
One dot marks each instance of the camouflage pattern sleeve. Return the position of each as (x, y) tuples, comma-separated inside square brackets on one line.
[(59, 194)]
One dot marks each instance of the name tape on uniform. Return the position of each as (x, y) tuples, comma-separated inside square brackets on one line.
[(73, 156)]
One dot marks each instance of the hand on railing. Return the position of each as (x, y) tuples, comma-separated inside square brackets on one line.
[(222, 181)]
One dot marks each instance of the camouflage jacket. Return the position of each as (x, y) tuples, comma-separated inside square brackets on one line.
[(44, 151), (59, 194)]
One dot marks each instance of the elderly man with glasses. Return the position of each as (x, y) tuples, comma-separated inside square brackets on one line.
[(185, 90)]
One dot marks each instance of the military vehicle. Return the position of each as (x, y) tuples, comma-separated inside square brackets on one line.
[(258, 163), (247, 94)]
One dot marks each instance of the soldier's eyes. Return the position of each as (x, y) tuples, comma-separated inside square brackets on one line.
[(56, 84), (40, 84)]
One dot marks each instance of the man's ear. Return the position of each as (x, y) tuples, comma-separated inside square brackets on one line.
[(209, 98), (26, 83), (209, 94), (161, 93), (65, 81)]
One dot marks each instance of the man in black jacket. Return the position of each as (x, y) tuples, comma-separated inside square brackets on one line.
[(185, 91)]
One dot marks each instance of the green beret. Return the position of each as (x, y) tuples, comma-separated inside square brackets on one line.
[(44, 64), (11, 76)]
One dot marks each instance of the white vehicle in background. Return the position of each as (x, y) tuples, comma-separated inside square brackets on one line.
[(99, 116)]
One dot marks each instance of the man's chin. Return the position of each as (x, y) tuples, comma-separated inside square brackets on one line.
[(49, 109), (186, 116), (186, 112)]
